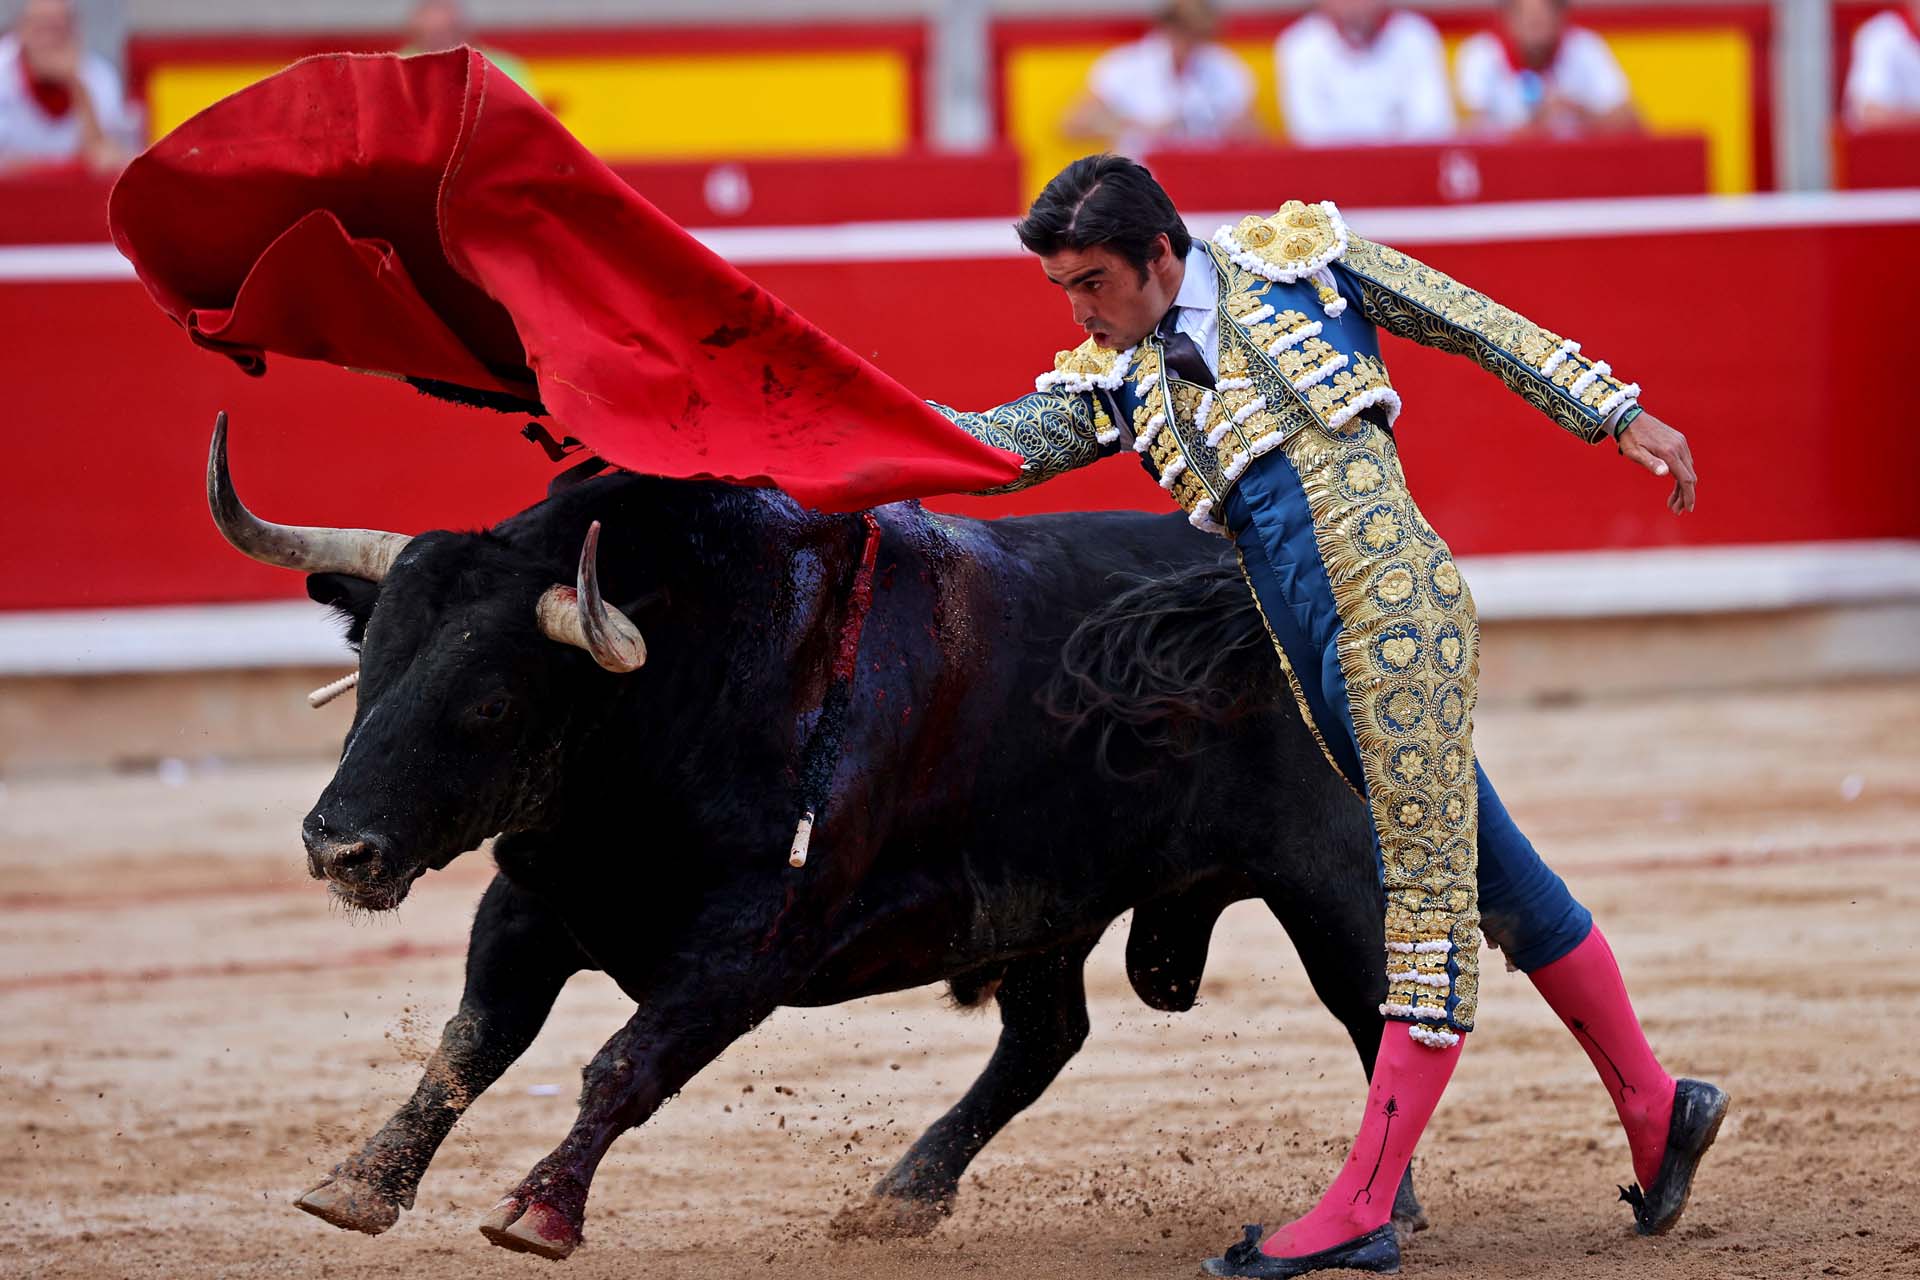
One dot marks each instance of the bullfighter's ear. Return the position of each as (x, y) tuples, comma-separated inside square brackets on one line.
[(352, 598)]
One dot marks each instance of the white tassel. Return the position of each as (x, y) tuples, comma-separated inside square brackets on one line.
[(1629, 392), (1172, 473), (1069, 381), (1559, 357), (1433, 1039), (1364, 401), (1587, 379), (1202, 411), (1294, 337), (1249, 409), (1426, 1013), (1148, 432), (1321, 374)]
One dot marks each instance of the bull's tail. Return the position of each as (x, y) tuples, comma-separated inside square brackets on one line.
[(1162, 666)]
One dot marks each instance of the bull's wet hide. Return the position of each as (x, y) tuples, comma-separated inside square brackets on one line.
[(1053, 720)]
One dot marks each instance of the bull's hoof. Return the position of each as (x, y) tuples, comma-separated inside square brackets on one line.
[(885, 1217), (531, 1228), (349, 1203)]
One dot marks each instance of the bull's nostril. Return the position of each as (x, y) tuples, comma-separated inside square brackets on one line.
[(348, 855)]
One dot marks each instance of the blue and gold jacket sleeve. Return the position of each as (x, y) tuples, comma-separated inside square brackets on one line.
[(1064, 423), (1409, 299)]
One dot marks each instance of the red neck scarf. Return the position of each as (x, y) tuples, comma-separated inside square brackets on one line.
[(1518, 62), (54, 98)]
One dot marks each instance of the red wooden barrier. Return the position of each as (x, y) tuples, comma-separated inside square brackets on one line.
[(1782, 350), (1449, 173)]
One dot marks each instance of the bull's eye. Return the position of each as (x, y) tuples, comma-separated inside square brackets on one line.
[(491, 709)]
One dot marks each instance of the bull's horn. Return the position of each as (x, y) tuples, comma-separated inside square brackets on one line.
[(579, 617), (358, 553)]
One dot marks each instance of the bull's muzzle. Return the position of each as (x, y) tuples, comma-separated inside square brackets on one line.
[(359, 866)]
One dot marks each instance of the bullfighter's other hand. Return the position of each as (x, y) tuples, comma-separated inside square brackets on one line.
[(1662, 450)]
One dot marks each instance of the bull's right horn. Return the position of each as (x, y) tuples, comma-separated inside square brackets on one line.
[(358, 553), (577, 616)]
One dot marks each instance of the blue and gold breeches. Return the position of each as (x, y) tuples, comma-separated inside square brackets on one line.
[(1376, 629)]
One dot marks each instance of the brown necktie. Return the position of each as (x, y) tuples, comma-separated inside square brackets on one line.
[(1183, 355)]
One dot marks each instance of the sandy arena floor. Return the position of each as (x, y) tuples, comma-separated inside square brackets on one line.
[(190, 1036)]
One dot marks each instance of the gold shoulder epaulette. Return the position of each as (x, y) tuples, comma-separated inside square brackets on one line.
[(1086, 367), (1297, 241)]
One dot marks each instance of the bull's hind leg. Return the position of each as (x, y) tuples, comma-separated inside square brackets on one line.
[(518, 958), (1340, 944), (1043, 1023)]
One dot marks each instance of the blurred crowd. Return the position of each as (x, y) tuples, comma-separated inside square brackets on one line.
[(63, 105), (1347, 71), (1362, 71)]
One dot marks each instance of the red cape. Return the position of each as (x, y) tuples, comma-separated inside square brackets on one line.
[(424, 217)]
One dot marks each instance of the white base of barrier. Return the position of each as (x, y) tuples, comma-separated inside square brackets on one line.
[(1506, 588)]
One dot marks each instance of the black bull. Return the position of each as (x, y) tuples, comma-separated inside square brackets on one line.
[(1055, 720)]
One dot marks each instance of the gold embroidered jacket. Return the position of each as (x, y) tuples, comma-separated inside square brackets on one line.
[(1300, 299)]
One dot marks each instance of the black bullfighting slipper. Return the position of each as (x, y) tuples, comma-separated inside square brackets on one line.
[(1698, 1109), (1378, 1250)]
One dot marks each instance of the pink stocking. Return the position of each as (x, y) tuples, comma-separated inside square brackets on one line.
[(1408, 1079), (1584, 987)]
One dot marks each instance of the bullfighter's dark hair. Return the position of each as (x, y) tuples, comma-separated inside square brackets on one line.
[(1104, 200), (1162, 667)]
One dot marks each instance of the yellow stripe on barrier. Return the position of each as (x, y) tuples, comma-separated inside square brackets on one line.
[(851, 102)]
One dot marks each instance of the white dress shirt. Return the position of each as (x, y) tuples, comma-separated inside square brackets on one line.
[(1583, 71), (28, 133), (1391, 89), (1196, 306), (1139, 83), (1885, 70)]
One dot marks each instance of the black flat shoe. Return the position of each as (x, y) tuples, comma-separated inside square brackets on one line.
[(1698, 1109), (1377, 1250)]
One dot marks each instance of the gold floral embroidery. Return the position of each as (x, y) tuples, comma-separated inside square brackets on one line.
[(1407, 652), (1406, 297), (1054, 431)]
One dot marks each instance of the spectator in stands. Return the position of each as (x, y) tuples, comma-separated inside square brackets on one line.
[(1537, 74), (436, 25), (60, 103), (1355, 71), (1173, 86), (1883, 82)]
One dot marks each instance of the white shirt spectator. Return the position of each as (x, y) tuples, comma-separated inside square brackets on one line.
[(29, 134), (1885, 72), (1199, 103), (1583, 72), (1392, 89)]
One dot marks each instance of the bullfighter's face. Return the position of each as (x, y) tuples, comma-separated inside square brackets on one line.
[(1115, 302)]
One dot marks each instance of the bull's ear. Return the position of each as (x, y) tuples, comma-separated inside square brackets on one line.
[(352, 598)]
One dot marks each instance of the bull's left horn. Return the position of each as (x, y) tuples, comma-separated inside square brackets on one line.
[(358, 553), (578, 616)]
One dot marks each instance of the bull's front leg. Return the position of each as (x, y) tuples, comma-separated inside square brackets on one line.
[(734, 969), (518, 958)]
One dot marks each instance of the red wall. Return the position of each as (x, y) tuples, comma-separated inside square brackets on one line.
[(1783, 353)]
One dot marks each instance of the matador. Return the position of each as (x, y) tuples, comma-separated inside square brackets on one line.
[(1246, 375)]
